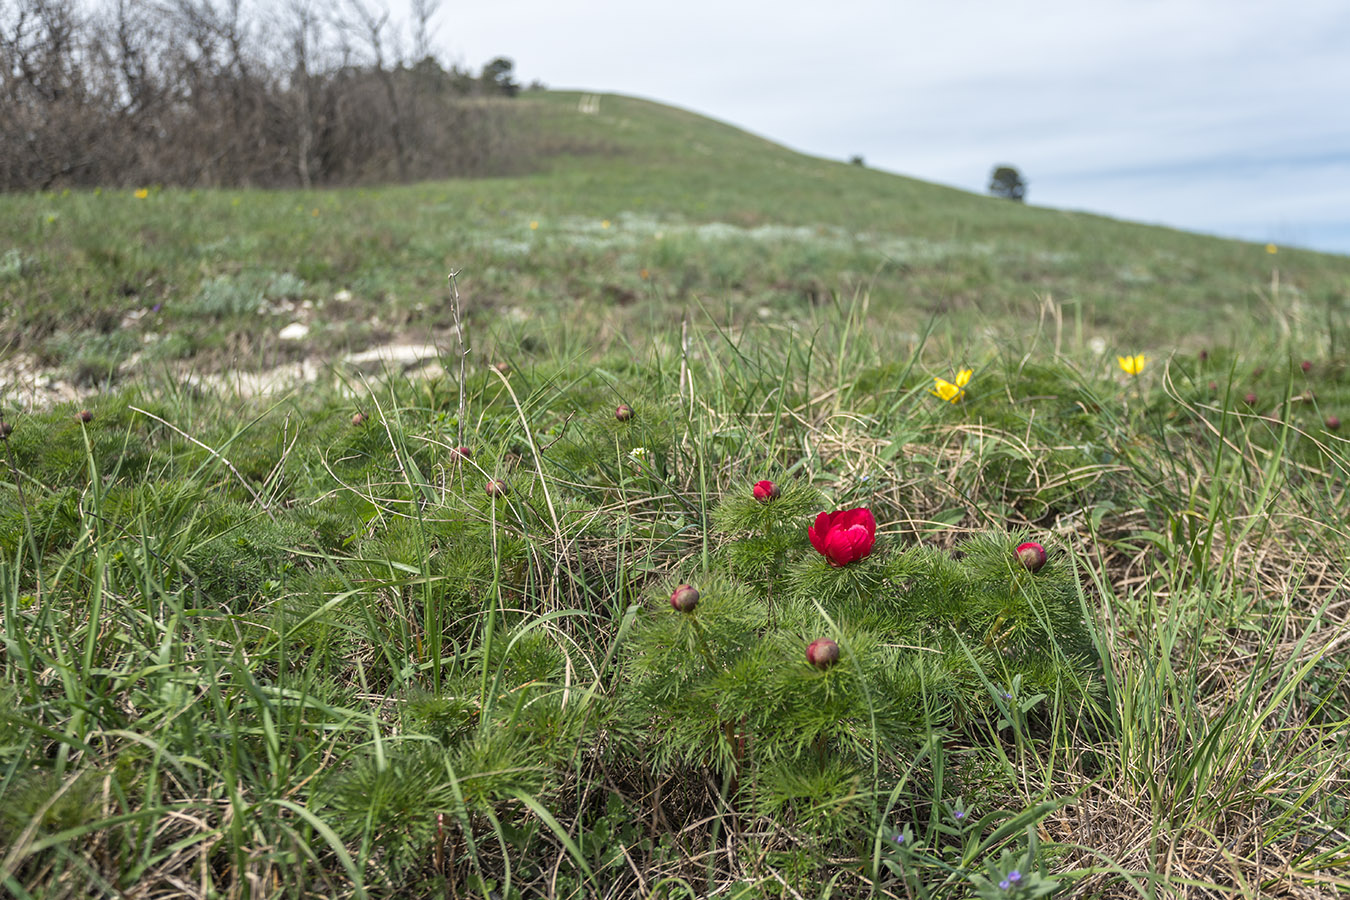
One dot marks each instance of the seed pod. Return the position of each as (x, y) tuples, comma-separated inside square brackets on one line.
[(496, 488)]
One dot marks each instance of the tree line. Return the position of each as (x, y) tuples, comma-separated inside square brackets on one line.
[(231, 93)]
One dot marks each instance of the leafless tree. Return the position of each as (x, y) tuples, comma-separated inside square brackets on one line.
[(237, 92)]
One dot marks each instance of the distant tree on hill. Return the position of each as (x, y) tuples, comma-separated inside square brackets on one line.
[(1006, 182), (497, 78)]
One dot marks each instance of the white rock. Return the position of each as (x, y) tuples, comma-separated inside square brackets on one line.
[(395, 354), (294, 332)]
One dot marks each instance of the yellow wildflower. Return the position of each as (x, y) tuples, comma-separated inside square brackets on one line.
[(952, 393), (1132, 365), (1271, 248), (142, 193), (605, 224), (534, 226)]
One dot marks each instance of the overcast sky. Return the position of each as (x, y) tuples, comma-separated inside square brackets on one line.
[(1226, 116)]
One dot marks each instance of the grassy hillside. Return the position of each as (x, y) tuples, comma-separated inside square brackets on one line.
[(372, 625), (638, 214)]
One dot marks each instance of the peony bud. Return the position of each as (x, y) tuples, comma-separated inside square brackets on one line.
[(822, 653), (503, 367), (1333, 423), (496, 488), (6, 430), (765, 491), (685, 598), (359, 419), (1250, 399), (1306, 366), (1213, 387), (85, 416), (624, 412), (1031, 555), (462, 453)]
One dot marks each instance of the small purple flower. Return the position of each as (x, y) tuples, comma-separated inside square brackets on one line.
[(959, 815), (1014, 876), (156, 307), (1005, 695), (1004, 884), (899, 838)]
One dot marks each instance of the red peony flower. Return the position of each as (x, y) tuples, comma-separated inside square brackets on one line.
[(844, 536), (765, 491)]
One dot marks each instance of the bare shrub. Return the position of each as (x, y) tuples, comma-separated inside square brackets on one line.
[(212, 93)]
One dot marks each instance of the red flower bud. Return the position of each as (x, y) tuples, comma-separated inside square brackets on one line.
[(496, 488), (843, 536), (822, 653), (685, 598), (1333, 423), (1250, 399), (624, 412), (462, 453), (1031, 555), (359, 419), (765, 491), (85, 416), (1305, 366)]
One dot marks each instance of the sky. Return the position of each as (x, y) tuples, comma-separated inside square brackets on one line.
[(1224, 116)]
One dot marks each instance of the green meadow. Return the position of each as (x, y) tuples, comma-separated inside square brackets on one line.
[(326, 574)]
